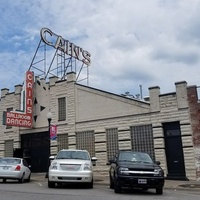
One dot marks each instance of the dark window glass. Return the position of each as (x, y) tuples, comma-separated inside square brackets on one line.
[(142, 139), (61, 109), (112, 142)]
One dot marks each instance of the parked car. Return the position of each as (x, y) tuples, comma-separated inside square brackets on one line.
[(131, 169), (15, 169), (71, 166)]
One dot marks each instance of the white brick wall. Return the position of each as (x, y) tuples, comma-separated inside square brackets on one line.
[(91, 109)]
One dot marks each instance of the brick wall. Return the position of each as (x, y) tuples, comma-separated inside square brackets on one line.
[(195, 122)]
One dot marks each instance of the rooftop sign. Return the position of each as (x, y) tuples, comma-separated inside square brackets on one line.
[(65, 46)]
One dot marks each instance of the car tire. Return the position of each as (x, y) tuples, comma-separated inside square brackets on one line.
[(90, 185), (28, 179), (51, 184), (117, 187), (21, 180), (159, 190), (111, 183), (47, 175)]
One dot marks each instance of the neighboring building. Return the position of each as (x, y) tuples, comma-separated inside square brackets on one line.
[(167, 126)]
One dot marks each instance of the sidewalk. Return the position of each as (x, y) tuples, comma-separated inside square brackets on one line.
[(104, 180)]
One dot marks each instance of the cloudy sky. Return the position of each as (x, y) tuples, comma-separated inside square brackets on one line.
[(134, 44)]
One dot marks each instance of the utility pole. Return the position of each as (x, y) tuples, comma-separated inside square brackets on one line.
[(141, 91)]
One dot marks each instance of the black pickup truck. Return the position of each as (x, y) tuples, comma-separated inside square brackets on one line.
[(131, 169)]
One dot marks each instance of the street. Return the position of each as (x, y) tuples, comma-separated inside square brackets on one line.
[(12, 190)]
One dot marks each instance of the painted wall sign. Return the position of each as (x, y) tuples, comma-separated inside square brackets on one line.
[(65, 46), (23, 117)]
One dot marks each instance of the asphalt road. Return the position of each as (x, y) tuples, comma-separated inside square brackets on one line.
[(12, 190)]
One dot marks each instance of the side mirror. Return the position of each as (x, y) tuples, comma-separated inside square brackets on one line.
[(51, 157), (157, 162), (94, 159), (110, 162)]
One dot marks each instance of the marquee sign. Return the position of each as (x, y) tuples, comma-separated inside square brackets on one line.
[(23, 118), (65, 46)]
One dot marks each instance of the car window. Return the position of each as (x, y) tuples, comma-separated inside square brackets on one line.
[(73, 155), (25, 163), (10, 161), (135, 157)]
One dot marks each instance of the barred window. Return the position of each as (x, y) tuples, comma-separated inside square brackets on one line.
[(142, 139), (9, 148), (85, 140), (112, 142), (62, 140), (61, 109), (8, 110)]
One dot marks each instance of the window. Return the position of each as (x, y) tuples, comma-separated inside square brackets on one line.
[(85, 141), (142, 139), (112, 142), (61, 109), (9, 148), (62, 140)]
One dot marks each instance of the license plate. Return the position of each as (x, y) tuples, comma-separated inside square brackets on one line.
[(142, 181), (5, 168)]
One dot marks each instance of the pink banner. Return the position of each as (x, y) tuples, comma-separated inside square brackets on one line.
[(53, 132)]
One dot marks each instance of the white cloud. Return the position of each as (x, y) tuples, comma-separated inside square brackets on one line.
[(132, 42)]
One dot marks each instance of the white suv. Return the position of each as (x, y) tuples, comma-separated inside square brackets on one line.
[(71, 166)]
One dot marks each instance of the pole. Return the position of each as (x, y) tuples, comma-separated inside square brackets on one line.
[(49, 127)]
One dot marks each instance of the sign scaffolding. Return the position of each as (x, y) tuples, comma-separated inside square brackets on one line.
[(63, 58)]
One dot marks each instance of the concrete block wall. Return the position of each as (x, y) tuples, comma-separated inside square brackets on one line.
[(71, 109), (162, 108), (41, 95), (181, 94), (96, 104), (99, 126), (9, 100), (173, 107), (168, 103), (57, 90), (154, 93)]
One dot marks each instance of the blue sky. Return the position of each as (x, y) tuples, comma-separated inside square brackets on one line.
[(132, 42)]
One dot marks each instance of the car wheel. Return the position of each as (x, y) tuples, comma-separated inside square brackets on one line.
[(159, 190), (111, 183), (28, 179), (90, 185), (117, 187), (47, 175), (21, 180), (51, 184)]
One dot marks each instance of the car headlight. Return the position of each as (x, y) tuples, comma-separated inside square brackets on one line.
[(87, 166), (158, 172), (123, 170), (54, 166)]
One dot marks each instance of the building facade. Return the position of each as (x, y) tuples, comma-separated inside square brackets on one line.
[(164, 125)]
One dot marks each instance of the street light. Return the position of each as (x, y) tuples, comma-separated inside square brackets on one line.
[(49, 118)]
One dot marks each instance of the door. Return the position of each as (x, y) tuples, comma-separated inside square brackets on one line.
[(174, 151), (36, 150)]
